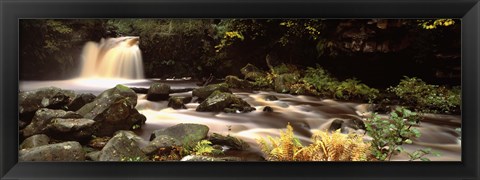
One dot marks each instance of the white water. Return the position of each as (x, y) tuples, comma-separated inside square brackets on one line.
[(306, 114), (112, 58)]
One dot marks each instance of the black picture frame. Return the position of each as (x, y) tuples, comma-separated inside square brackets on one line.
[(467, 10)]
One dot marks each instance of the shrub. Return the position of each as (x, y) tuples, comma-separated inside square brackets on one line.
[(353, 89), (325, 147), (426, 97), (390, 134)]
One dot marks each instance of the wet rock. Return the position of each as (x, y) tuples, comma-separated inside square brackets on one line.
[(346, 125), (251, 72), (158, 92), (283, 82), (51, 97), (235, 82), (131, 135), (179, 102), (271, 98), (267, 109), (94, 156), (35, 141), (162, 141), (206, 91), (42, 119), (140, 90), (230, 141), (220, 101), (80, 100), (113, 110), (71, 129), (66, 151), (183, 132), (121, 148), (119, 90)]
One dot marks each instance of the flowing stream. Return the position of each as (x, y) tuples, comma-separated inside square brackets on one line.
[(306, 114)]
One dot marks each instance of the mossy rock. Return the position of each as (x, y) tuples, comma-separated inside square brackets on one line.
[(220, 101), (237, 83), (158, 92), (204, 92), (251, 72)]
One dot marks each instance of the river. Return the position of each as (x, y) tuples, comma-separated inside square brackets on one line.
[(305, 113)]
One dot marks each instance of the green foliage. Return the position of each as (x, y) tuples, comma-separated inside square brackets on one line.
[(390, 134), (426, 97), (433, 24), (204, 147), (326, 85)]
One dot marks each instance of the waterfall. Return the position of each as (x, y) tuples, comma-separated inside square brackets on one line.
[(112, 58)]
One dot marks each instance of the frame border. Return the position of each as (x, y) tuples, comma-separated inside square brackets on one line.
[(468, 10)]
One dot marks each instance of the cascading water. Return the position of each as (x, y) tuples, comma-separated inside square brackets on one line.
[(112, 58)]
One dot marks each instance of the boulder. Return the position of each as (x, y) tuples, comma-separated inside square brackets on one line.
[(220, 101), (346, 125), (251, 72), (271, 98), (98, 142), (131, 135), (35, 141), (161, 141), (80, 100), (66, 151), (140, 90), (267, 109), (230, 141), (121, 148), (206, 91), (113, 110), (178, 102), (51, 97), (93, 156), (182, 133), (158, 92), (42, 119), (283, 82), (237, 83), (71, 129)]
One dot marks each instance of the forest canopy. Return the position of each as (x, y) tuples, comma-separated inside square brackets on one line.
[(379, 52)]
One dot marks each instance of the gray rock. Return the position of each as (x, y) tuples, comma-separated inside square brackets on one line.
[(191, 133), (271, 98), (235, 82), (121, 148), (50, 97), (206, 91), (162, 141), (267, 109), (71, 129), (220, 101), (66, 151), (42, 119), (80, 100), (230, 141), (178, 102), (346, 125), (158, 92), (94, 156), (113, 110), (35, 141)]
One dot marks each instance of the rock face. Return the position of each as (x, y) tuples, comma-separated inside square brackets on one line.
[(113, 110), (42, 119), (283, 82), (71, 129), (51, 97), (35, 141), (121, 148), (66, 151), (158, 92), (230, 141), (204, 92), (80, 100), (220, 101), (178, 102), (251, 72), (183, 132), (235, 82)]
